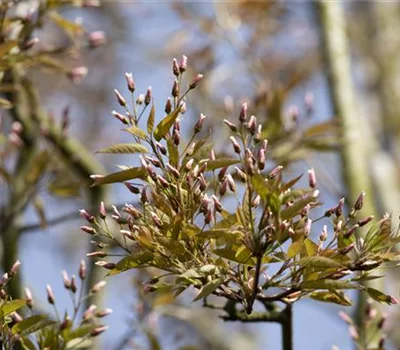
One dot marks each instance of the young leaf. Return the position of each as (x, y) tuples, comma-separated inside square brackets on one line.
[(132, 261), (331, 297), (124, 148), (209, 288), (381, 297), (31, 324), (319, 262), (165, 124), (135, 131), (121, 176), (150, 121), (12, 306)]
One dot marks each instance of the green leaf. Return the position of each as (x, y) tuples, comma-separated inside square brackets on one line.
[(150, 120), (209, 288), (27, 344), (125, 148), (329, 284), (132, 262), (295, 248), (121, 176), (135, 131), (79, 332), (11, 306), (260, 185), (220, 163), (381, 297), (336, 297), (166, 124), (320, 262), (31, 325), (296, 208), (172, 152)]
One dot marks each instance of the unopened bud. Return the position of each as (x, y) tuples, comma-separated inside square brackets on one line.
[(231, 183), (86, 215), (212, 154), (147, 98), (261, 158), (162, 181), (168, 106), (172, 170), (67, 282), (15, 268), (130, 82), (120, 117), (140, 99), (89, 312), (131, 188), (175, 89), (28, 298), (77, 74), (241, 174), (29, 43), (199, 123), (347, 249), (50, 295), (275, 172), (195, 81), (103, 313), (256, 201), (351, 231), (345, 317), (236, 146), (106, 265), (365, 221), (209, 217), (175, 67), (252, 125), (73, 284), (161, 148), (183, 64), (360, 201), (102, 210), (96, 39), (217, 203), (89, 230), (312, 180), (143, 196), (98, 330), (324, 234), (156, 219), (223, 187), (230, 125), (339, 208), (120, 98), (176, 137), (82, 270), (98, 286), (258, 134), (243, 113)]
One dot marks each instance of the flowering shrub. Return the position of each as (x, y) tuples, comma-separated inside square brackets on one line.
[(186, 226)]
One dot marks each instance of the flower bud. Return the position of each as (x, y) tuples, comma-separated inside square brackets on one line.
[(50, 295), (230, 125), (231, 183), (261, 158), (147, 98), (103, 313), (156, 219), (345, 317), (360, 201), (102, 210), (175, 67), (140, 99), (98, 330), (106, 265), (15, 268), (120, 98), (168, 106), (28, 44), (120, 117), (199, 124), (252, 125), (324, 234), (161, 148), (241, 174), (258, 135), (212, 154), (82, 270), (162, 181), (223, 187), (172, 170), (275, 172), (28, 298), (243, 113), (208, 217), (351, 231), (143, 196), (73, 284), (202, 182), (175, 89), (77, 74), (222, 173), (236, 146), (89, 218), (89, 230), (312, 181), (176, 137), (96, 39), (183, 64), (131, 188), (365, 221), (4, 279), (98, 286), (217, 203), (130, 82), (89, 312), (195, 81), (67, 282), (339, 208)]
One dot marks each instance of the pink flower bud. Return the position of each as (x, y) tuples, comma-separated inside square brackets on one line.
[(29, 298), (15, 268), (223, 187), (147, 98), (98, 254), (130, 82), (73, 284), (183, 64), (182, 108), (103, 212), (89, 312), (243, 113), (176, 137), (131, 188), (199, 124), (230, 125), (252, 125), (351, 231), (360, 201), (120, 117), (175, 89), (168, 106), (98, 330), (140, 99), (195, 81), (106, 265), (212, 154), (84, 214), (236, 146), (98, 286), (345, 317), (77, 74), (67, 282), (231, 183), (324, 234), (175, 67), (365, 221), (258, 134), (261, 158), (96, 39), (161, 148), (217, 203), (103, 313), (275, 172), (50, 295), (82, 270), (172, 170), (89, 230), (28, 44), (121, 100), (156, 219), (312, 180), (162, 181)]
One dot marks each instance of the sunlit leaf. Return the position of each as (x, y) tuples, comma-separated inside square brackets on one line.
[(295, 248), (31, 324), (321, 262), (163, 127), (7, 46), (121, 176), (209, 288), (132, 261), (381, 297), (125, 148), (331, 297), (150, 120), (11, 306), (5, 104), (329, 284), (135, 131), (172, 151)]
